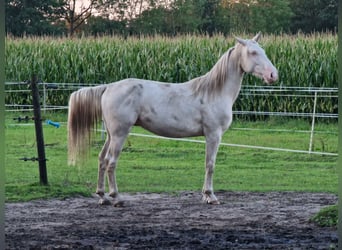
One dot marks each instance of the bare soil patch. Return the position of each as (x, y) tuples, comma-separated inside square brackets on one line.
[(244, 220)]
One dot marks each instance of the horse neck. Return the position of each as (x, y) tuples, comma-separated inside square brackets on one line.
[(223, 80), (235, 75)]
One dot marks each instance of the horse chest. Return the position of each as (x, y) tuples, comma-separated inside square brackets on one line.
[(217, 116), (225, 120)]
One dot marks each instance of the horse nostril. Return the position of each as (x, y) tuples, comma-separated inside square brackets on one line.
[(274, 76)]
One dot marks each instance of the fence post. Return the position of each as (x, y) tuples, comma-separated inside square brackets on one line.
[(39, 131), (313, 123), (44, 98)]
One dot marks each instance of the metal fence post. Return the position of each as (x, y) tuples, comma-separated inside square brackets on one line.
[(313, 123), (39, 131), (44, 98)]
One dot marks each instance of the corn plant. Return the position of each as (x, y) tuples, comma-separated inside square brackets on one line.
[(302, 60)]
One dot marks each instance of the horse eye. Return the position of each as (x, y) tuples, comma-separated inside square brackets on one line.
[(253, 52)]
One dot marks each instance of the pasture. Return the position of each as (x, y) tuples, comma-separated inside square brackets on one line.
[(157, 165), (161, 181)]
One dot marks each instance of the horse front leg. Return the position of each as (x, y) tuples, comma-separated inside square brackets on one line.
[(212, 144)]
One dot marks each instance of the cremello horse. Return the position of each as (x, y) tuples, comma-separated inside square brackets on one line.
[(201, 106)]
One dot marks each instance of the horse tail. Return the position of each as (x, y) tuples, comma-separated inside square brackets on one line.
[(84, 113)]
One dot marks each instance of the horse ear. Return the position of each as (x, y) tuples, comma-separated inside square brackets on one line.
[(257, 37), (241, 41)]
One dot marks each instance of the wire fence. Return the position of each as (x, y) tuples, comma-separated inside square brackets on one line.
[(247, 91)]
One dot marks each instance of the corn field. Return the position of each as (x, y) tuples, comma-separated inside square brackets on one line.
[(302, 60)]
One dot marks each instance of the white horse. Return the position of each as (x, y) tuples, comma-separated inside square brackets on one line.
[(199, 107)]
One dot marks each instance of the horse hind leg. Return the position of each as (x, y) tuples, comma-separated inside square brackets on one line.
[(112, 157), (103, 163)]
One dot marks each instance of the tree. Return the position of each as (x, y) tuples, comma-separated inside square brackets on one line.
[(179, 16), (121, 9), (271, 16), (210, 14), (153, 21), (329, 15), (251, 16), (187, 16), (35, 17), (314, 15), (98, 25), (55, 17), (76, 17)]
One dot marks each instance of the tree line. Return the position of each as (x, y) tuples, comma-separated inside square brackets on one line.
[(167, 17)]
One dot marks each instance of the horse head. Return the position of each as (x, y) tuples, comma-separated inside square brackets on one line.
[(255, 61)]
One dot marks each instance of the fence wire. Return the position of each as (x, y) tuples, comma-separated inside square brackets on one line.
[(312, 93)]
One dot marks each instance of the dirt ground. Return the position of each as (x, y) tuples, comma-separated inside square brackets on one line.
[(244, 220)]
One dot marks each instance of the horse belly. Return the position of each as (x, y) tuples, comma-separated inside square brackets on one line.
[(171, 125)]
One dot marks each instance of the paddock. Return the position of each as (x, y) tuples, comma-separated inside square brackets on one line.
[(244, 220)]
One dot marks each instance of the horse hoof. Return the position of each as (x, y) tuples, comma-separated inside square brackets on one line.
[(210, 199), (114, 195), (100, 193), (214, 202), (104, 202), (118, 204), (211, 202)]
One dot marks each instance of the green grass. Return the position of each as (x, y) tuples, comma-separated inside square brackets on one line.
[(156, 165), (327, 217)]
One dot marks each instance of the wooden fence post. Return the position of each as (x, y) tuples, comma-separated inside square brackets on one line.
[(39, 131)]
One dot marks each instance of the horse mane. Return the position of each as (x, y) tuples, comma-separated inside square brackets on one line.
[(213, 81)]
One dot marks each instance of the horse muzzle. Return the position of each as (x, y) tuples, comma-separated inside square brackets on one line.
[(270, 75)]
